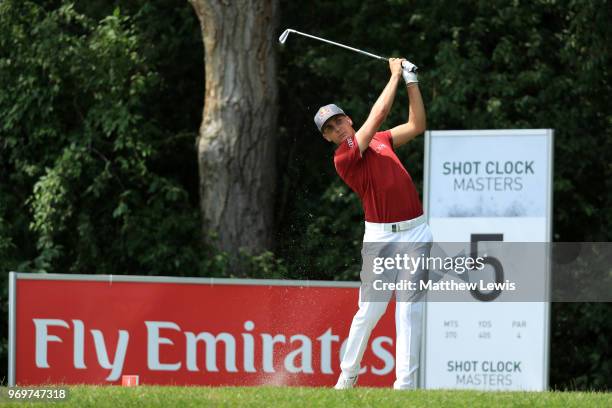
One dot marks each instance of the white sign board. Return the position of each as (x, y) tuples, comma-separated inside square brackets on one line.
[(488, 185)]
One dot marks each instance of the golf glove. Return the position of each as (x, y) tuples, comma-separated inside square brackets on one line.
[(409, 73)]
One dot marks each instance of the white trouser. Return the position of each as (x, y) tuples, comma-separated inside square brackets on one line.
[(408, 316)]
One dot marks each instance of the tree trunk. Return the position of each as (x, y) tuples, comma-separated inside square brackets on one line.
[(236, 143)]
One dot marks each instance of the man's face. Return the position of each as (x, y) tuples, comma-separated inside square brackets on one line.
[(338, 128)]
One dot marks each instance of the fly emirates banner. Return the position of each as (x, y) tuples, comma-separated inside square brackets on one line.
[(95, 329)]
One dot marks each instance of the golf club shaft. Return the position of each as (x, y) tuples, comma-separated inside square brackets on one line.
[(369, 54)]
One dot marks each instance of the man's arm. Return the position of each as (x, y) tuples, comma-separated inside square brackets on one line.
[(417, 120), (381, 108)]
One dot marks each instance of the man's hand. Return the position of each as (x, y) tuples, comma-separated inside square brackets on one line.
[(409, 73), (395, 65)]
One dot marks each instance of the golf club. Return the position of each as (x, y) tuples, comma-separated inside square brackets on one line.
[(283, 38)]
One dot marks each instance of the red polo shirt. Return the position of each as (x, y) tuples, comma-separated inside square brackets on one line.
[(384, 186)]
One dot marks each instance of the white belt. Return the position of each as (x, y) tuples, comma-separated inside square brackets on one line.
[(396, 226)]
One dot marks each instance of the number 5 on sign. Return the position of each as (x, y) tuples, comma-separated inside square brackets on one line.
[(494, 262)]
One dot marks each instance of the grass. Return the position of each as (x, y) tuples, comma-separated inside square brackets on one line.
[(150, 396)]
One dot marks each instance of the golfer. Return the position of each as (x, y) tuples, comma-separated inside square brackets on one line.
[(367, 163)]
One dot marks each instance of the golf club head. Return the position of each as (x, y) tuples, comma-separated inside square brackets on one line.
[(284, 35)]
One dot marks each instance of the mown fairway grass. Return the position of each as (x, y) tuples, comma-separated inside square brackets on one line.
[(151, 396)]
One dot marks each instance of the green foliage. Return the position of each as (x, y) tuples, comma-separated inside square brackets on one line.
[(327, 242), (580, 346), (76, 145)]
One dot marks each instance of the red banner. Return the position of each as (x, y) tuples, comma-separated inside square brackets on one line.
[(187, 331)]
